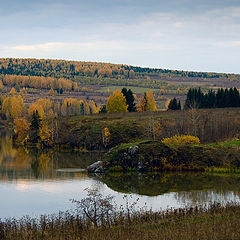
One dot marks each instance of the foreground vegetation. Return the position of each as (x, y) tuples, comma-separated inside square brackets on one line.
[(214, 222)]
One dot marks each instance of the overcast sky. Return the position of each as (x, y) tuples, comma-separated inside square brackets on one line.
[(196, 35)]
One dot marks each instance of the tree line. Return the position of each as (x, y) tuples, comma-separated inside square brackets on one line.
[(62, 69), (38, 82), (37, 123), (72, 69), (126, 101), (221, 98)]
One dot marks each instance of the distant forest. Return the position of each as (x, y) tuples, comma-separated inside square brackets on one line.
[(96, 81), (71, 69)]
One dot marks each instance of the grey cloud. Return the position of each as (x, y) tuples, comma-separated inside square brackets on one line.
[(182, 34)]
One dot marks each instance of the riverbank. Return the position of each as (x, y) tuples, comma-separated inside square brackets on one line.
[(216, 222)]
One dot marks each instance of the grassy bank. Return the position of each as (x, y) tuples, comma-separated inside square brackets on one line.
[(156, 156), (86, 132), (216, 222)]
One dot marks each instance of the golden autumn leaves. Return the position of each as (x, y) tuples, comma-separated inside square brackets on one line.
[(14, 109), (117, 102), (38, 82)]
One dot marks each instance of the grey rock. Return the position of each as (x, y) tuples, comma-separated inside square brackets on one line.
[(133, 150), (96, 167), (99, 170)]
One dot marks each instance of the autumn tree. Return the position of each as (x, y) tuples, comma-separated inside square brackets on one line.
[(151, 103), (93, 107), (21, 130), (45, 133), (105, 136), (142, 103), (167, 102), (42, 105), (35, 107), (13, 91), (153, 128), (146, 103), (116, 102), (1, 85), (13, 107), (51, 92)]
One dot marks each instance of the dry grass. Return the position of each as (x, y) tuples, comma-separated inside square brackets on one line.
[(215, 222)]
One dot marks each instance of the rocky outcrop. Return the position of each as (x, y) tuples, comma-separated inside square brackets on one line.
[(96, 167), (156, 156)]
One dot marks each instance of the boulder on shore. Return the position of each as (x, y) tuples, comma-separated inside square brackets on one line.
[(96, 167)]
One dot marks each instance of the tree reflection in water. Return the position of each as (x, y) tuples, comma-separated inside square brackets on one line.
[(194, 188), (16, 163)]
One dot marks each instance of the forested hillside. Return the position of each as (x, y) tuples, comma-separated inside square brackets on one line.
[(70, 69), (96, 81)]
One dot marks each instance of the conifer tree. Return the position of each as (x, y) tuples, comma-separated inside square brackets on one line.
[(129, 99), (35, 126)]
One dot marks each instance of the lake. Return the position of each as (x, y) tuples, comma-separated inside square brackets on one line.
[(34, 183)]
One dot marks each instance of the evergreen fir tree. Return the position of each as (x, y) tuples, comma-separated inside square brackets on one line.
[(129, 99), (174, 105), (35, 126)]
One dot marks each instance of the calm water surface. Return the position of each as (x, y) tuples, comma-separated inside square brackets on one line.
[(33, 183)]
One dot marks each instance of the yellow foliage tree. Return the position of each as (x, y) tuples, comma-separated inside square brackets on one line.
[(151, 103), (42, 105), (116, 102), (51, 92), (36, 107), (93, 108), (14, 107), (44, 132), (1, 85), (105, 136), (21, 129), (167, 103), (141, 104), (13, 91), (146, 103)]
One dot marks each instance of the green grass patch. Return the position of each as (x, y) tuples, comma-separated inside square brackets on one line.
[(223, 170), (227, 143)]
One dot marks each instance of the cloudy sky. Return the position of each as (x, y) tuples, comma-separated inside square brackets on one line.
[(177, 34)]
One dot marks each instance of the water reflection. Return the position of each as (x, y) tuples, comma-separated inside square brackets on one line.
[(20, 163), (205, 198), (188, 188), (34, 183), (156, 184)]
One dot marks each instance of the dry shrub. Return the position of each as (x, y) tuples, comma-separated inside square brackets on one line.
[(180, 140)]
